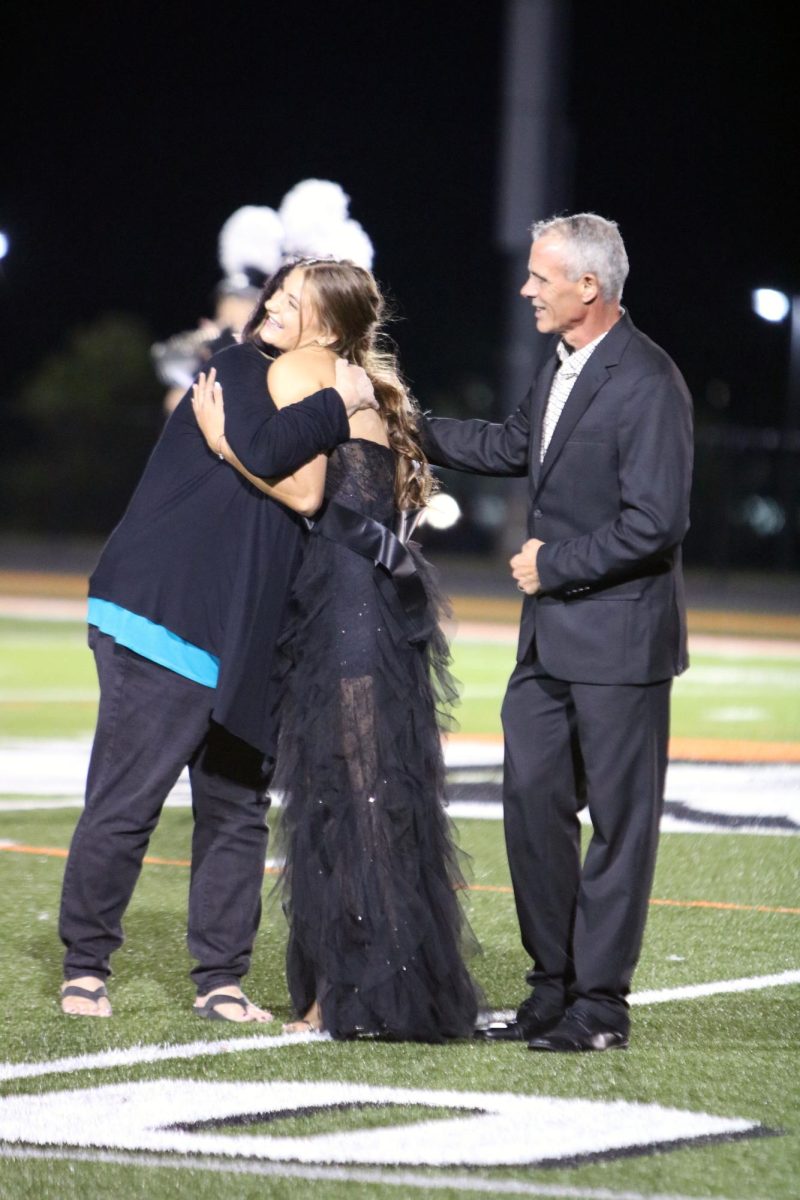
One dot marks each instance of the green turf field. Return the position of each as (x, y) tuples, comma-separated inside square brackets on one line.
[(720, 696), (725, 907), (728, 1054), (48, 687)]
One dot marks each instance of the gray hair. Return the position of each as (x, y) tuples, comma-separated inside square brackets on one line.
[(591, 244)]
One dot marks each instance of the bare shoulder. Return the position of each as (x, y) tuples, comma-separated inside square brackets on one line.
[(299, 373), (366, 423)]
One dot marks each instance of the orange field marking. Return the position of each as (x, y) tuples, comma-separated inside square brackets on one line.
[(501, 889), (795, 912), (44, 584), (733, 750), (722, 904), (688, 749), (57, 852), (150, 860)]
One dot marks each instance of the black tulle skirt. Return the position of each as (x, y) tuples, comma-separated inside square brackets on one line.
[(372, 873)]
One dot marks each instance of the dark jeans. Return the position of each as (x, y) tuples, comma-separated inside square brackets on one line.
[(151, 724)]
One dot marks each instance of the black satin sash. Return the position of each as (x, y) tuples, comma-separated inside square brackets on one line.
[(397, 577)]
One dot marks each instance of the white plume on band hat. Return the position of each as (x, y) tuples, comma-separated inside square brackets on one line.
[(250, 247), (311, 222)]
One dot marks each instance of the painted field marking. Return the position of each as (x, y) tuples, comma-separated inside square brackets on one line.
[(462, 1184), (692, 749), (763, 782), (691, 991), (737, 715), (780, 674), (152, 861), (496, 888), (136, 1055), (725, 905), (459, 1128)]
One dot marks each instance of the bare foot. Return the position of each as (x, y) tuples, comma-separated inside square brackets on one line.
[(237, 1011), (310, 1023), (96, 1004)]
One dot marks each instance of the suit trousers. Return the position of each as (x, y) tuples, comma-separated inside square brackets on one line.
[(568, 745), (152, 723)]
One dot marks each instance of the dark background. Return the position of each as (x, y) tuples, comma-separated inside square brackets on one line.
[(131, 132)]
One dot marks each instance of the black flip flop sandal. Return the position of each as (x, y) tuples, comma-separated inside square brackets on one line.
[(209, 1010), (72, 989)]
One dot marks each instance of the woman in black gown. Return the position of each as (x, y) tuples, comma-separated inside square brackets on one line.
[(371, 875)]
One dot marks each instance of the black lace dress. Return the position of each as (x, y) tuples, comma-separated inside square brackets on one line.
[(371, 877)]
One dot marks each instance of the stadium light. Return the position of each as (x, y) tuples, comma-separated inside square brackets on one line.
[(775, 306), (771, 305), (4, 243)]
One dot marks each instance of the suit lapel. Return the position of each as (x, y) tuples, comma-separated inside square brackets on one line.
[(538, 401), (587, 385)]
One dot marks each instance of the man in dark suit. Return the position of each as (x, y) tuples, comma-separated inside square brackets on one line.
[(605, 439)]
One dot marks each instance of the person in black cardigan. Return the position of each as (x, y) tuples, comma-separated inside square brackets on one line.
[(185, 604)]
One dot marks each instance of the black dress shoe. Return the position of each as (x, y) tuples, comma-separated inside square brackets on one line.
[(577, 1032), (526, 1025)]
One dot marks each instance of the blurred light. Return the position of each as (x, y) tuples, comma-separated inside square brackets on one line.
[(491, 511), (442, 511), (770, 304), (3, 244), (763, 515)]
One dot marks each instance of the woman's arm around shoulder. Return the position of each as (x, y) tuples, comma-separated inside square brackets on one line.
[(273, 442), (301, 492)]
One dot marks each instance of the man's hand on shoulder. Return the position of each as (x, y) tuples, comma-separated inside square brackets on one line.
[(354, 386), (523, 567)]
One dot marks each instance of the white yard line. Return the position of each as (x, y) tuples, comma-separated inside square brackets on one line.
[(463, 1184), (763, 798), (42, 608), (135, 1055), (691, 991)]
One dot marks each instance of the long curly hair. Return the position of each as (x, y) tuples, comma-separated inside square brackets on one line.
[(349, 306)]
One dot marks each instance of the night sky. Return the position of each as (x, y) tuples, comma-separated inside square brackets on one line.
[(129, 136)]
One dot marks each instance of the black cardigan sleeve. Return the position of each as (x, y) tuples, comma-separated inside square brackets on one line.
[(272, 442)]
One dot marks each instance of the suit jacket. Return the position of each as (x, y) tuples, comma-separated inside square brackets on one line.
[(611, 503)]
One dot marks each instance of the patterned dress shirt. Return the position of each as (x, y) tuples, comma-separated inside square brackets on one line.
[(572, 363)]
